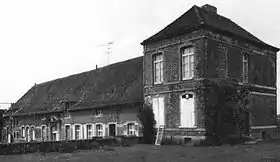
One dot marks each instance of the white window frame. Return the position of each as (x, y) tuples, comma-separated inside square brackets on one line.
[(193, 113), (80, 132), (245, 67), (98, 113), (102, 130), (189, 62), (156, 62), (42, 132), (87, 131), (65, 131), (22, 131), (27, 133), (129, 130)]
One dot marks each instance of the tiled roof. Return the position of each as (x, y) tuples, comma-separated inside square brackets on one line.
[(114, 84), (197, 18)]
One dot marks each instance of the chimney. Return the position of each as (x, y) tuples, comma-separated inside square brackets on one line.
[(96, 67), (209, 8)]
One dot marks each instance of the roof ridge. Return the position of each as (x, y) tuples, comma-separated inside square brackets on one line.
[(84, 72), (199, 16)]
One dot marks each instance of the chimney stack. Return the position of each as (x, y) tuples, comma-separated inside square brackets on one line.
[(96, 66), (209, 8)]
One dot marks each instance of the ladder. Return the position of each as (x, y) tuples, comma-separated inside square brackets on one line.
[(159, 134)]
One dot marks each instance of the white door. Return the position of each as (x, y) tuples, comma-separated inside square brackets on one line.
[(187, 112)]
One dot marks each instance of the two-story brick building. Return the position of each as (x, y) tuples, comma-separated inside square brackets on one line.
[(199, 47)]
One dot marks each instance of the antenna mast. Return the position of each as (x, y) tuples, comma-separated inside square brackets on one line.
[(108, 52)]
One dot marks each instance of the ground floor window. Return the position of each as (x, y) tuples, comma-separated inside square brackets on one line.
[(44, 133), (77, 132), (22, 132), (32, 134), (67, 132), (131, 129), (158, 109), (88, 131), (99, 130), (187, 110)]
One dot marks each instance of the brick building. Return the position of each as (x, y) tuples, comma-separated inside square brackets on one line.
[(199, 47)]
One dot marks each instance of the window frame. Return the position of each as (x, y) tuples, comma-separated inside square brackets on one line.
[(44, 132), (67, 125), (132, 129), (80, 132), (97, 131), (98, 113), (190, 57), (193, 112), (87, 131), (161, 67), (245, 67)]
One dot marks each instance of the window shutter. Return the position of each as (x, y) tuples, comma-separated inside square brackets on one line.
[(155, 110), (136, 126), (161, 111), (93, 130), (104, 129), (73, 132), (85, 131)]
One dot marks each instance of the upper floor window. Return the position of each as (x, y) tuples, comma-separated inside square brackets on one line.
[(98, 113), (245, 68), (158, 68), (187, 62)]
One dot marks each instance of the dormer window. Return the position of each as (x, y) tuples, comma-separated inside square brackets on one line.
[(98, 113), (187, 58)]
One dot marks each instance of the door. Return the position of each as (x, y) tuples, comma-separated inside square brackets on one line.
[(112, 130)]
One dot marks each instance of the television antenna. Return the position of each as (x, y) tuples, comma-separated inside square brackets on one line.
[(108, 52)]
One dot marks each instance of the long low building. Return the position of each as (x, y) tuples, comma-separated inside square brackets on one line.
[(199, 47)]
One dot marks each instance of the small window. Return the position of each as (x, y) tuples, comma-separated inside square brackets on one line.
[(158, 68), (131, 129), (89, 131), (245, 68), (77, 132), (187, 59), (98, 113), (99, 130), (66, 110)]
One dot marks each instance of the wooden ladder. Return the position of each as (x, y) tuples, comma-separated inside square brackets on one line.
[(160, 133)]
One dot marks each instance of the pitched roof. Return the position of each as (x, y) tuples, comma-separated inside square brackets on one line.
[(114, 84), (196, 18)]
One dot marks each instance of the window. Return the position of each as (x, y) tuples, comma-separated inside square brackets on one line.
[(32, 136), (67, 132), (44, 133), (158, 109), (245, 68), (77, 132), (66, 111), (187, 63), (98, 113), (187, 110), (130, 129), (89, 131), (99, 130), (158, 68), (22, 132)]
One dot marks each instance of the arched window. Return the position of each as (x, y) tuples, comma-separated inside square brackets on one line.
[(187, 110), (187, 59)]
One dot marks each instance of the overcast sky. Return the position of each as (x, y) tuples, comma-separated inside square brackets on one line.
[(45, 40)]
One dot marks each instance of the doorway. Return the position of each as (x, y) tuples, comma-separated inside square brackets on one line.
[(112, 130)]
